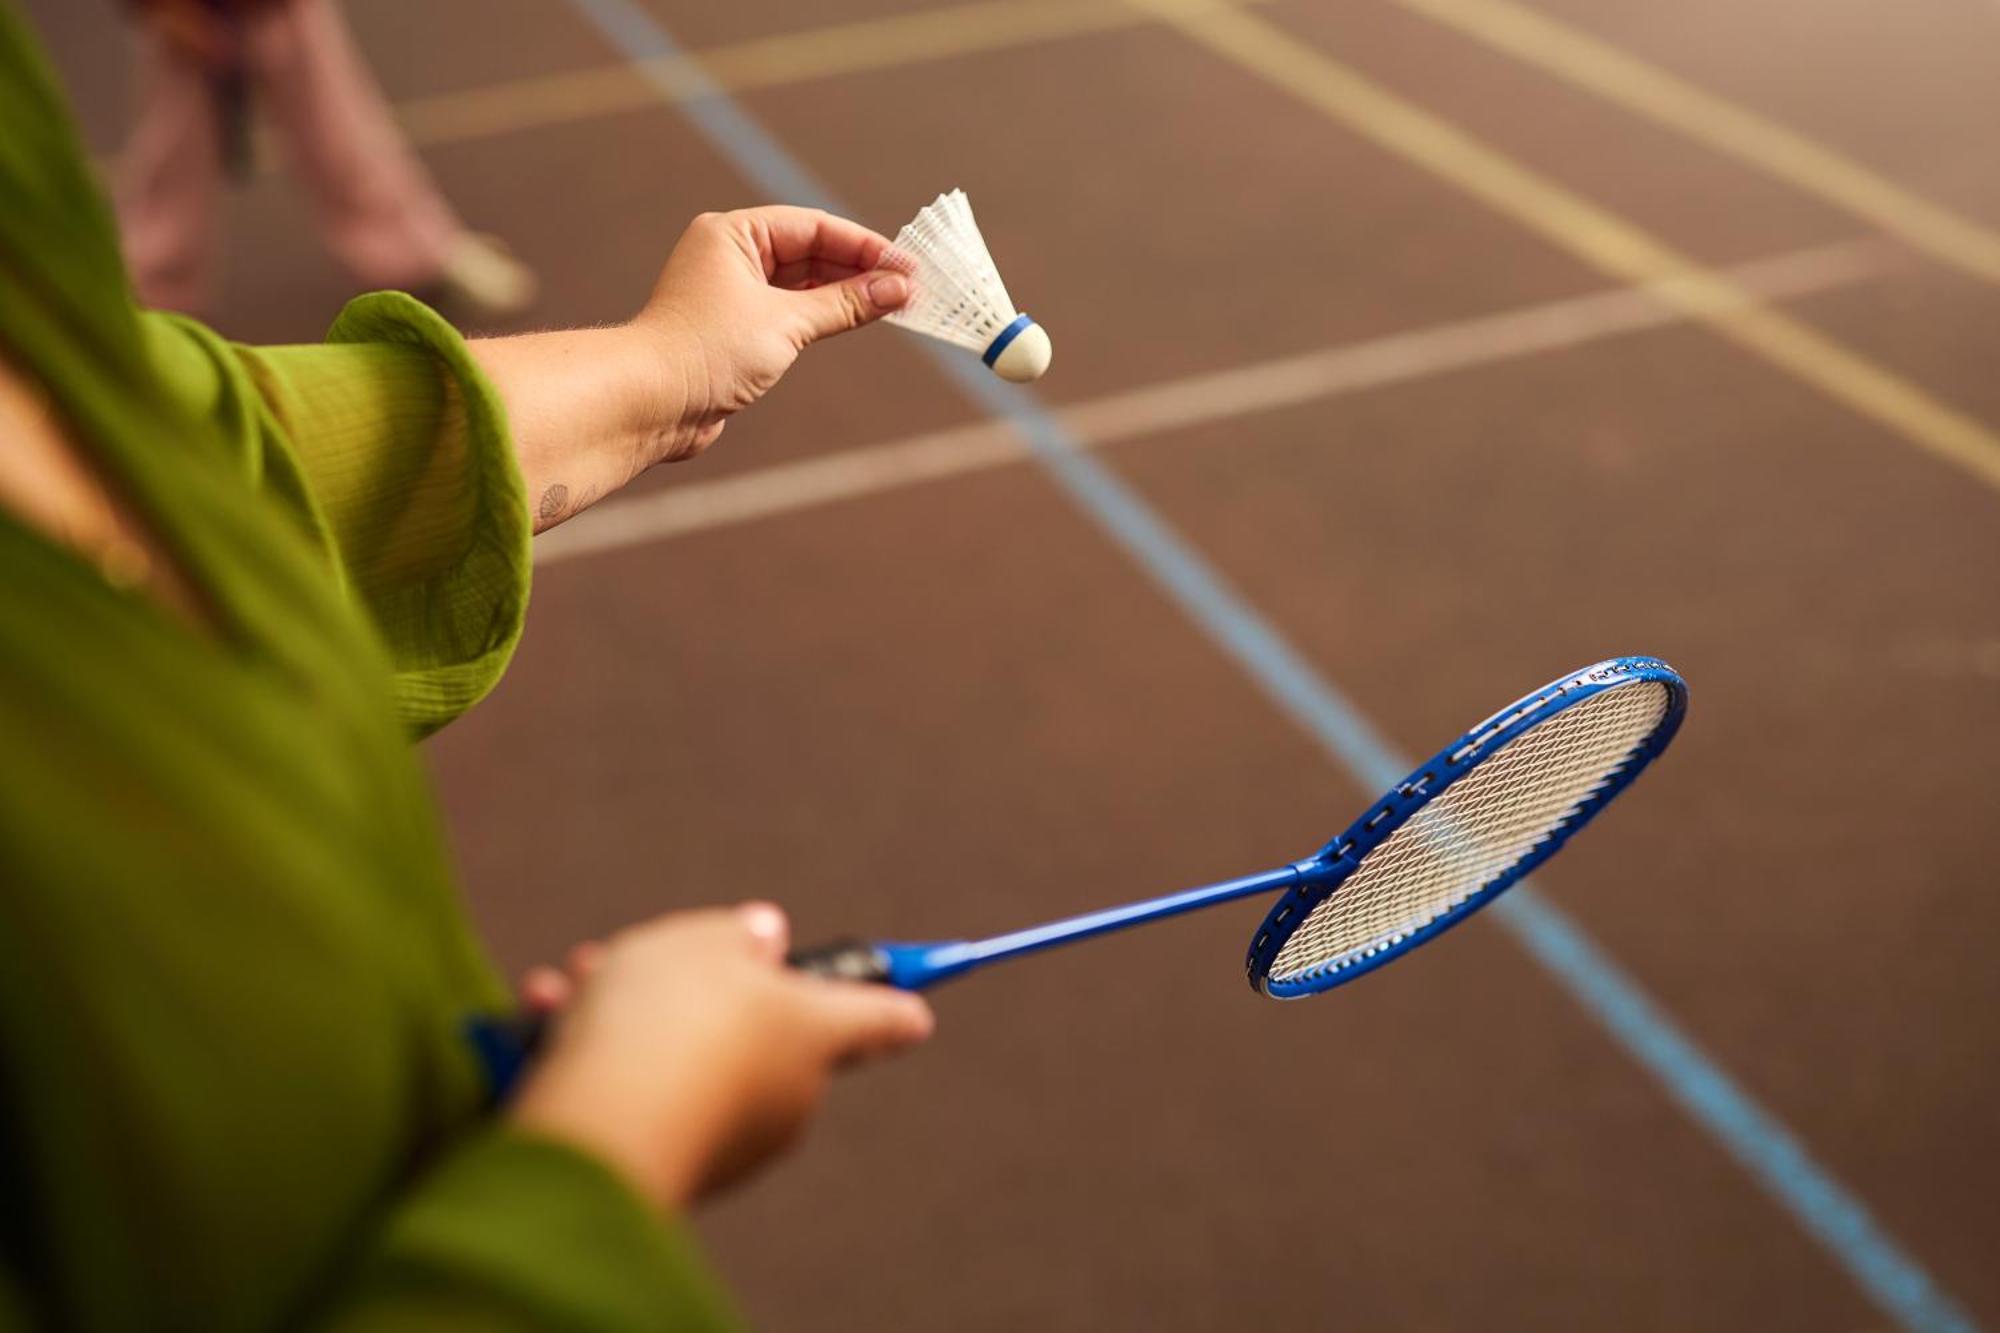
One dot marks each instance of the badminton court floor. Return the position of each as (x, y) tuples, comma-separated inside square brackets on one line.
[(1456, 343)]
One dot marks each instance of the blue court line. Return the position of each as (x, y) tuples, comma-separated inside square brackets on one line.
[(1758, 1140)]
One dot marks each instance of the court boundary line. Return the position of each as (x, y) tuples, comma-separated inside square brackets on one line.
[(1137, 413), (1584, 230), (1618, 75), (1759, 1141), (896, 41)]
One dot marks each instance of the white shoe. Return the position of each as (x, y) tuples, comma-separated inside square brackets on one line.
[(483, 280)]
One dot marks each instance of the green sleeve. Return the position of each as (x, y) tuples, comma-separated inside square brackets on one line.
[(514, 1232), (14, 1317), (390, 446)]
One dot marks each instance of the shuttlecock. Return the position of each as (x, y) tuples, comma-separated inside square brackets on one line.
[(956, 295)]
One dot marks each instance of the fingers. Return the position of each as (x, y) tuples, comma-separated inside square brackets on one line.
[(846, 1021), (799, 274), (770, 933), (859, 1021), (855, 1021), (849, 304), (787, 235), (544, 990)]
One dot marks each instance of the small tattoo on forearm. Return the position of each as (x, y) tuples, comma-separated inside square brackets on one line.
[(555, 503)]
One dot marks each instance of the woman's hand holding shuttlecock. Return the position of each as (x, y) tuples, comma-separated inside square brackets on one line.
[(740, 297), (744, 293)]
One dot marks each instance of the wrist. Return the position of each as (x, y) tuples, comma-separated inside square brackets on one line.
[(669, 373), (643, 1132), (644, 379), (589, 408)]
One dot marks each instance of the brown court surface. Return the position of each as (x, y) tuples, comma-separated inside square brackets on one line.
[(953, 706)]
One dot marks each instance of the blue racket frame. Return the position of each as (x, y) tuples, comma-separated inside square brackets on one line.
[(1341, 857)]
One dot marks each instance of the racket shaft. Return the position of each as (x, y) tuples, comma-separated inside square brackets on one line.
[(915, 966), (1071, 929)]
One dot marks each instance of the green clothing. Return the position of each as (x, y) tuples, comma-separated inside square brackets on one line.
[(234, 971)]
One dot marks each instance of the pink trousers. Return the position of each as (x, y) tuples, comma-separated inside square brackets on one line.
[(375, 205)]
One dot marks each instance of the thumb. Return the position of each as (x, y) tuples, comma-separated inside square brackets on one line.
[(770, 933), (851, 302), (860, 1020)]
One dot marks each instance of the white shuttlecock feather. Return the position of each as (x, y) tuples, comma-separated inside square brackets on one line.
[(956, 295)]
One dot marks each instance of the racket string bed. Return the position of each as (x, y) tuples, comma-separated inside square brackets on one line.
[(1475, 831)]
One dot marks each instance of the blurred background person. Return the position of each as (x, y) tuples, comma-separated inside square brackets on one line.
[(204, 66)]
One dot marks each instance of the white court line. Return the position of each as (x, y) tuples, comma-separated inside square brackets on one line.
[(1188, 401)]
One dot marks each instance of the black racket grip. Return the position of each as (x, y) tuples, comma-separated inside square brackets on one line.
[(525, 1030), (842, 960), (505, 1044)]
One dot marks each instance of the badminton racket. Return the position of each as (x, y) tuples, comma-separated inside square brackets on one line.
[(1455, 834), (1448, 839)]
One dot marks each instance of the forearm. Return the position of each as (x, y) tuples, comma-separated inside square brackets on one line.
[(589, 409)]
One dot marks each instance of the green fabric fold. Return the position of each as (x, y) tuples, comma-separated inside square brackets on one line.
[(392, 449), (518, 1232)]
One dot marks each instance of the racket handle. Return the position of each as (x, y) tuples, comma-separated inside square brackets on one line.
[(505, 1044), (842, 960)]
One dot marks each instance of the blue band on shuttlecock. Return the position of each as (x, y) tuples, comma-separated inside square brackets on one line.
[(1007, 335)]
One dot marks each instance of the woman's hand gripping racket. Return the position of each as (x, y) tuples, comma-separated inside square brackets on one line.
[(1444, 842)]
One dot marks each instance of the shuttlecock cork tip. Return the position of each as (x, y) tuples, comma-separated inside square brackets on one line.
[(1021, 353)]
